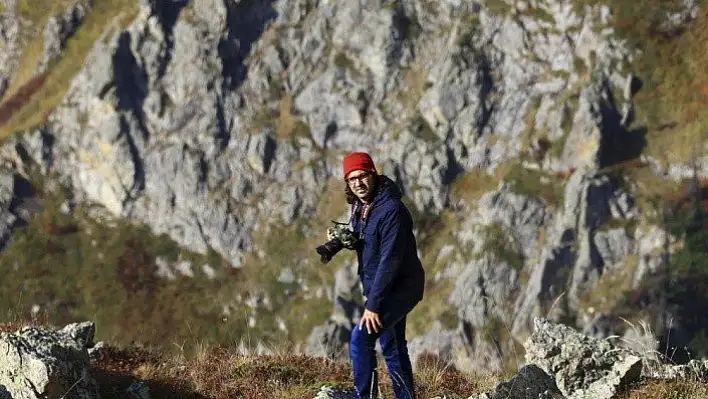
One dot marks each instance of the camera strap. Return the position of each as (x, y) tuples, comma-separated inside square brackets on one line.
[(362, 210)]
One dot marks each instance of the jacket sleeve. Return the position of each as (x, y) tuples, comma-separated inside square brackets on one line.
[(392, 236)]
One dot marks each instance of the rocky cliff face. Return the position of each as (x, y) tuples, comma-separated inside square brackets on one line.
[(213, 121)]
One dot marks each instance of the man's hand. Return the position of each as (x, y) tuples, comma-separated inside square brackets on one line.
[(371, 321), (330, 234)]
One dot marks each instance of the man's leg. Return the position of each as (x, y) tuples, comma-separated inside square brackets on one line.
[(398, 363), (362, 352)]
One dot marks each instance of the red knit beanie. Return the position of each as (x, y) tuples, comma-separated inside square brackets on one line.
[(358, 161)]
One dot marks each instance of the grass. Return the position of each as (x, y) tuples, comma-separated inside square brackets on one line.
[(534, 183), (31, 107), (498, 244), (469, 187), (76, 267), (611, 289), (675, 82), (342, 61), (416, 83), (668, 390), (217, 372)]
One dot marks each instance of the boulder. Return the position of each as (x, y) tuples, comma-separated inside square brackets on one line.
[(38, 363), (531, 382), (582, 366)]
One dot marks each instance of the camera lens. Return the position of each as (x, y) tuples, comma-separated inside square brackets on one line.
[(329, 249)]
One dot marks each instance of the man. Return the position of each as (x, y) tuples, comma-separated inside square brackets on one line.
[(391, 274)]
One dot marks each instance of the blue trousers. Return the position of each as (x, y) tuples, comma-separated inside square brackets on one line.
[(392, 337)]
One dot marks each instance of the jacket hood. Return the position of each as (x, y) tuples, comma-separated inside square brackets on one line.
[(387, 189)]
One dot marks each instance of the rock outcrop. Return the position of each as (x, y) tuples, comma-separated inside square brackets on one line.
[(583, 367), (59, 29), (530, 383), (9, 43), (39, 363)]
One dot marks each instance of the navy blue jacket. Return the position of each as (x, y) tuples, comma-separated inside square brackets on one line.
[(389, 268)]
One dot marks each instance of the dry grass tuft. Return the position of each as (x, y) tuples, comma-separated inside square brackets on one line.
[(654, 389), (436, 378), (9, 327)]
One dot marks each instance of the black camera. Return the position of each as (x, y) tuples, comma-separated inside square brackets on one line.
[(343, 237)]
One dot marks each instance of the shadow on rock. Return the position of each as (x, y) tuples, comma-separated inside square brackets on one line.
[(247, 21)]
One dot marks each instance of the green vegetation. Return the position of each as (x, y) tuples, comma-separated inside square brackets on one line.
[(422, 130), (651, 192), (497, 243), (470, 186), (220, 373), (611, 289), (535, 183), (27, 108), (674, 93), (78, 268), (342, 61), (540, 14), (499, 7), (289, 126), (629, 225), (416, 83), (435, 233), (580, 67), (682, 279), (294, 247)]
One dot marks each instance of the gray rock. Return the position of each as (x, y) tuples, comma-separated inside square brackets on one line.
[(521, 218), (37, 363), (95, 351), (286, 276), (17, 202), (138, 390), (582, 367), (466, 349), (10, 42), (576, 250), (330, 340), (174, 114), (483, 290), (652, 251), (59, 29), (82, 333), (688, 13), (697, 168), (334, 393), (613, 246), (530, 382)]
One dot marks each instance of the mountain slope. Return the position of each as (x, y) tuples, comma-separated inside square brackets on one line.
[(530, 140)]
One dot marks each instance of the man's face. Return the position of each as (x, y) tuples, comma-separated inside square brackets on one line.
[(361, 183)]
